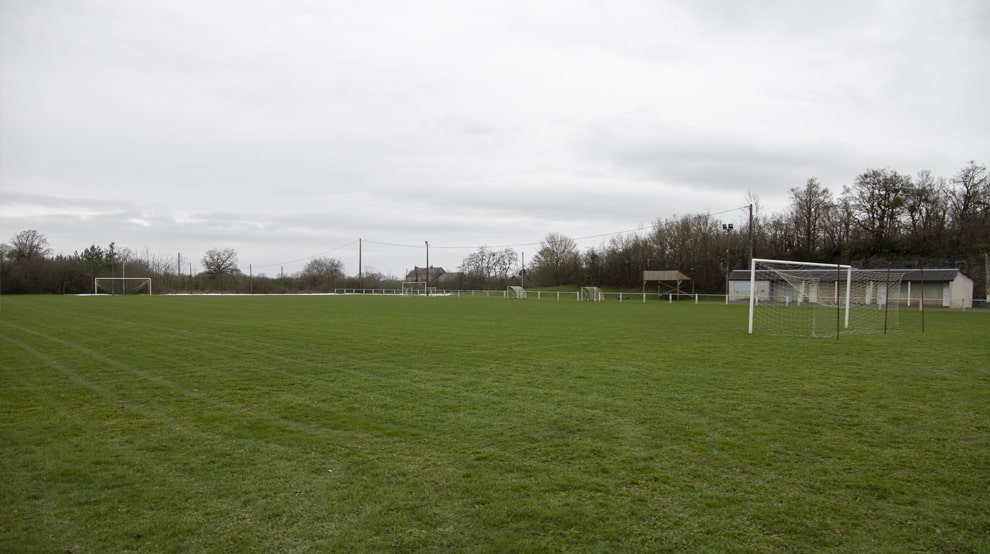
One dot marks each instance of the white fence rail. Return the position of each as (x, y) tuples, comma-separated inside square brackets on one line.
[(540, 295)]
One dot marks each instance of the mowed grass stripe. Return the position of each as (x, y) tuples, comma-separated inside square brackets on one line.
[(168, 439), (471, 424)]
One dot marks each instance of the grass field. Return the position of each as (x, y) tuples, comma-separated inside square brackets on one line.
[(349, 424)]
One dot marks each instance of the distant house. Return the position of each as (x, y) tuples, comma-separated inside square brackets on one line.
[(948, 288), (438, 276)]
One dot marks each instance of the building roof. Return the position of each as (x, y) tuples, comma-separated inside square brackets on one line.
[(913, 275), (419, 274), (664, 275)]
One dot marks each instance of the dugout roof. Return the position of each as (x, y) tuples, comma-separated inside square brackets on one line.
[(664, 275)]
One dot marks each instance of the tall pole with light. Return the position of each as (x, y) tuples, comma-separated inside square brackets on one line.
[(427, 268)]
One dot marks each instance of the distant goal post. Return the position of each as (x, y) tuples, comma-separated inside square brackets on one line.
[(591, 294), (122, 285), (515, 292), (416, 288)]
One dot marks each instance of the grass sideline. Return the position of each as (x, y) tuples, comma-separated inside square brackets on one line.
[(316, 424)]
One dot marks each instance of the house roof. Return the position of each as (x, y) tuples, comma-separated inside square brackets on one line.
[(913, 275), (419, 273)]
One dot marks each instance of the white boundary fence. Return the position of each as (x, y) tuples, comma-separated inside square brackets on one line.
[(546, 295)]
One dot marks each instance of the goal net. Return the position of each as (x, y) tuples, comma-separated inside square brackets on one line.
[(515, 292), (414, 288), (122, 285), (820, 300), (592, 294)]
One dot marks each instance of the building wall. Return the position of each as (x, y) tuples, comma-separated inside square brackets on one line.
[(956, 294), (961, 290)]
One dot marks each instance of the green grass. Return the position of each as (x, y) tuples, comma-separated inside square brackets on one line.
[(318, 424)]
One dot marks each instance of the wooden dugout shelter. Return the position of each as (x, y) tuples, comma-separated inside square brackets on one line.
[(668, 281)]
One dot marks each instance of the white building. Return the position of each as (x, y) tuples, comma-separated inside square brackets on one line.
[(948, 288)]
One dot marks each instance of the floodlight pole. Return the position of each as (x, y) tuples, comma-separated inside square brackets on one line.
[(427, 268)]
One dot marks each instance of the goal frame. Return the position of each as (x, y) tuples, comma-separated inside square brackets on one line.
[(515, 292), (96, 280), (415, 288), (591, 294), (838, 267)]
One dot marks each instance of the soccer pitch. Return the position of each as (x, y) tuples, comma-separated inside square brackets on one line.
[(444, 424)]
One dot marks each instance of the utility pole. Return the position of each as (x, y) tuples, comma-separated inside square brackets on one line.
[(727, 229)]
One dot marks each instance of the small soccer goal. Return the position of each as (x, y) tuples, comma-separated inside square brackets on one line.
[(515, 292), (591, 294), (793, 298), (414, 288), (122, 285)]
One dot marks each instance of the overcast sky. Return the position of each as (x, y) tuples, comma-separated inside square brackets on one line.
[(289, 129)]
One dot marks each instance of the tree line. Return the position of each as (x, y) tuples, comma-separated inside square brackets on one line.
[(884, 218), (27, 267)]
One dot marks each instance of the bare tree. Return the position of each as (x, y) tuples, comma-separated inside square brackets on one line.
[(322, 273), (970, 206), (486, 264), (878, 198), (28, 245), (809, 209), (506, 263), (926, 204), (219, 262), (557, 260), (839, 223), (971, 191)]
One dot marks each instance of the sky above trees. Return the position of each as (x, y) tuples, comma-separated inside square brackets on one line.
[(288, 130)]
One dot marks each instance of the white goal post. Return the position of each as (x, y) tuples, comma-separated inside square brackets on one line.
[(414, 288), (591, 294), (122, 285), (515, 292), (820, 300)]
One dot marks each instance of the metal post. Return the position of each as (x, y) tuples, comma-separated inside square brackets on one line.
[(751, 233), (921, 304)]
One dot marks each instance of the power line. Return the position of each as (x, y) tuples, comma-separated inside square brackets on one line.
[(310, 257), (476, 247)]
